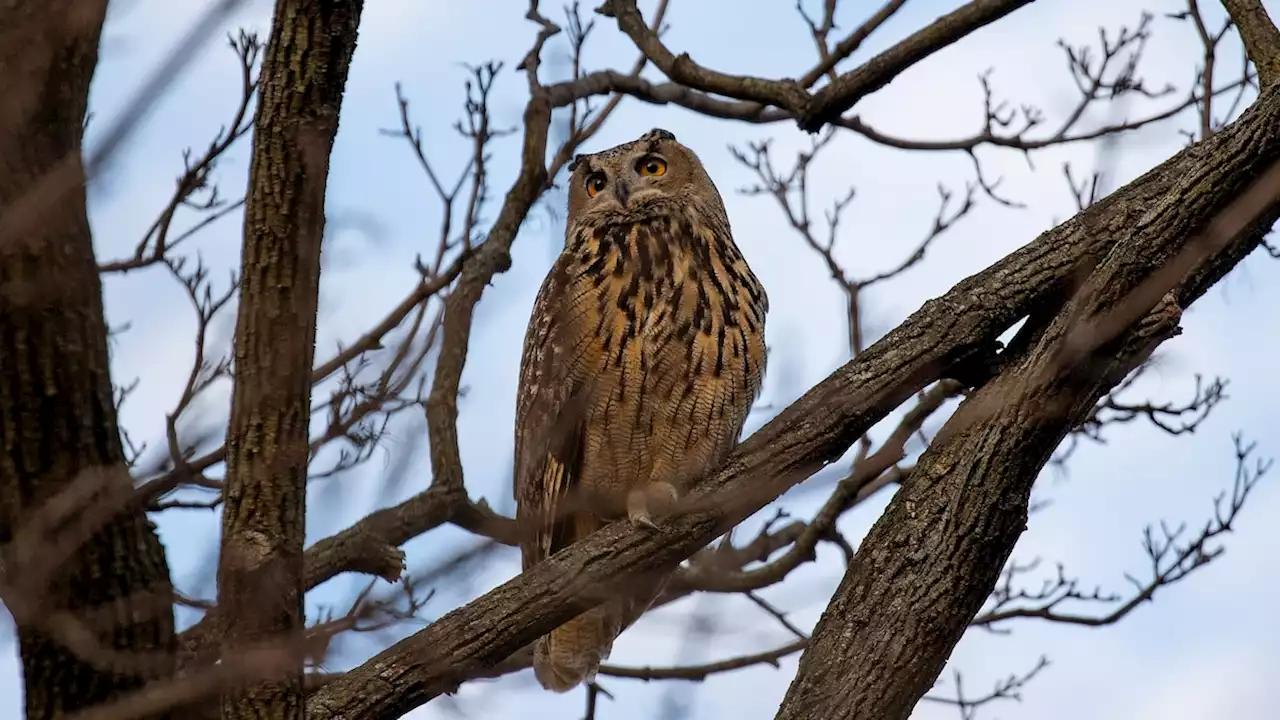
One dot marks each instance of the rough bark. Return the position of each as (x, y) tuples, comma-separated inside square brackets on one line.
[(928, 564), (260, 569), (1170, 202), (1260, 37), (58, 433)]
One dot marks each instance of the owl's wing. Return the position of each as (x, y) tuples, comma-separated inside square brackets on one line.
[(556, 377)]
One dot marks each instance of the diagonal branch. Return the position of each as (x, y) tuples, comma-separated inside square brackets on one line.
[(812, 111), (820, 427), (1260, 36), (846, 47), (698, 673), (786, 94), (964, 517), (849, 88)]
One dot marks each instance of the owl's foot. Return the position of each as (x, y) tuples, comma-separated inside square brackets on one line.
[(653, 501)]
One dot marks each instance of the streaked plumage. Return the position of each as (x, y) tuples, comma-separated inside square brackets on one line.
[(643, 355)]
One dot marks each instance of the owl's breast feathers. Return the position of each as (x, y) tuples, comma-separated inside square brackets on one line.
[(643, 356)]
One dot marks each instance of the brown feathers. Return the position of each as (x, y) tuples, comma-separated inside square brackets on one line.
[(643, 355)]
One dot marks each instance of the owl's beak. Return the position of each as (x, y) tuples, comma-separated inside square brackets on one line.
[(622, 191)]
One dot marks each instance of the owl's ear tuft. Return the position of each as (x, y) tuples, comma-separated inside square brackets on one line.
[(661, 134), (573, 164)]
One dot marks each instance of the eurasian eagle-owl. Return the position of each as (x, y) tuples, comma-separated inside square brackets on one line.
[(644, 353)]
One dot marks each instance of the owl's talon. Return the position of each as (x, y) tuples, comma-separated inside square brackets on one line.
[(655, 498), (641, 519)]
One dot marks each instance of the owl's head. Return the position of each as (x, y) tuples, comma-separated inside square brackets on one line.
[(650, 176)]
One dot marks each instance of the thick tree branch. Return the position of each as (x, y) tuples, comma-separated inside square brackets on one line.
[(1111, 75), (785, 94), (850, 490), (260, 572), (847, 46), (812, 111), (1260, 36), (820, 426), (830, 102), (898, 613), (372, 547)]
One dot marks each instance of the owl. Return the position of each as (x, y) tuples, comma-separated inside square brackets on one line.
[(643, 356)]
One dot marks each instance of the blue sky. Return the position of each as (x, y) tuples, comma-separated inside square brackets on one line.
[(1200, 649)]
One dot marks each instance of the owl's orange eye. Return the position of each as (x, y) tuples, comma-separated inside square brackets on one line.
[(595, 183), (652, 166)]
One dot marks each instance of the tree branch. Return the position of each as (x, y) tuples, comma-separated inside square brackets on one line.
[(260, 593), (897, 614), (820, 426), (1260, 37), (785, 94), (828, 103), (1171, 554)]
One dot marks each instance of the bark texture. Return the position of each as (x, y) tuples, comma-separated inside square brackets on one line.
[(102, 565), (928, 564), (1164, 206), (260, 569)]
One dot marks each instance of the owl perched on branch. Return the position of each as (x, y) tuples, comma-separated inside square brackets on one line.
[(644, 354)]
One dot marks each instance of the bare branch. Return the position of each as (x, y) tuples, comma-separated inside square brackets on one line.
[(847, 46), (811, 111), (156, 243), (1009, 688), (785, 94), (828, 104), (1172, 556), (849, 491), (698, 673), (1104, 79)]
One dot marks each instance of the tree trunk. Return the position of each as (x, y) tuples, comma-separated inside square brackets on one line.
[(104, 571), (260, 572)]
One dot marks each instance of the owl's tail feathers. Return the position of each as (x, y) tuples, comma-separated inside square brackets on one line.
[(572, 653)]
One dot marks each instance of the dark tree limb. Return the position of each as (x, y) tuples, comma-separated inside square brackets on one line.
[(812, 111), (1165, 206), (260, 569), (846, 47), (69, 546), (830, 102), (1111, 76), (786, 94), (1260, 36), (930, 562)]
